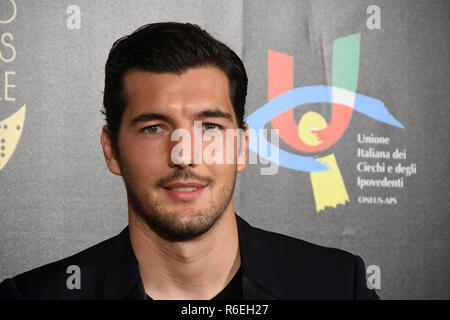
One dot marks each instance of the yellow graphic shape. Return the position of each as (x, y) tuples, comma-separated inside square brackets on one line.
[(328, 187), (311, 121), (10, 132)]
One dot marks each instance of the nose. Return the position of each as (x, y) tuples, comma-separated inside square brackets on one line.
[(185, 147)]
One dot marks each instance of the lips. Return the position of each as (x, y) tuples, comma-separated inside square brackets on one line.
[(185, 191)]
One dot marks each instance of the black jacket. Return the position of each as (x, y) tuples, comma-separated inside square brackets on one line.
[(274, 266)]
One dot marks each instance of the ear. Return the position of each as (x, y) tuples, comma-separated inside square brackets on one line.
[(112, 161), (243, 150)]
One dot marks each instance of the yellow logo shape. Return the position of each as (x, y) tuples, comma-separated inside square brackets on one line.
[(10, 132), (328, 186), (311, 121)]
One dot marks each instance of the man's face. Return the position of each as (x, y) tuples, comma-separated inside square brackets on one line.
[(179, 200)]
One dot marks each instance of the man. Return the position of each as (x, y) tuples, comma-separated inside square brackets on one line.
[(166, 84)]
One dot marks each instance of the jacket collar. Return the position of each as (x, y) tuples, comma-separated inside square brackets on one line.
[(122, 277), (259, 268), (260, 271)]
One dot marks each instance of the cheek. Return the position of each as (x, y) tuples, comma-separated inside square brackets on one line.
[(223, 174), (221, 149), (143, 158)]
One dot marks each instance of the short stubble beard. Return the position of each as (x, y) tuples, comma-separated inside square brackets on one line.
[(170, 225)]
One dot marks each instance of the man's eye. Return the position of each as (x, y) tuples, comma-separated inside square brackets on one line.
[(211, 127), (152, 129)]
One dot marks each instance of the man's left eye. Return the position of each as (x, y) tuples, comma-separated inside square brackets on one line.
[(211, 127)]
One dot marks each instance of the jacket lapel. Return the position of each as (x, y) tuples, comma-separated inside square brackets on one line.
[(259, 269), (122, 277)]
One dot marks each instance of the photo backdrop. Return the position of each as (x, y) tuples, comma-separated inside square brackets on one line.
[(359, 91)]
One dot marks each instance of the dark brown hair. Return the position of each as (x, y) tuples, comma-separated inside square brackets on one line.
[(168, 47)]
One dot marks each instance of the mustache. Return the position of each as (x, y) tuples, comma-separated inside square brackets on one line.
[(183, 175)]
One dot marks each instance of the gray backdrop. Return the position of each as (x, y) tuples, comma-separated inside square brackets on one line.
[(57, 196)]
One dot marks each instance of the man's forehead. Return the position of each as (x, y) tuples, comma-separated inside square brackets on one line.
[(204, 93)]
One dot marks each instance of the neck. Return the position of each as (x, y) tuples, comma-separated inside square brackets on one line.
[(194, 269)]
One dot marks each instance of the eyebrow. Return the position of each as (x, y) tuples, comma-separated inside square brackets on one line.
[(214, 113), (211, 113), (149, 117)]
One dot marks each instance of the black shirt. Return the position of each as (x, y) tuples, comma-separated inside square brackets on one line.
[(233, 290)]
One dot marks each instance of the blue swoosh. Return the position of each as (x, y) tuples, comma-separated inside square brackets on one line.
[(371, 107)]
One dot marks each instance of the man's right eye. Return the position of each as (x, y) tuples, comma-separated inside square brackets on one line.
[(152, 129)]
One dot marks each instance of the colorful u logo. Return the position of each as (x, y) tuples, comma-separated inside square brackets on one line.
[(313, 133)]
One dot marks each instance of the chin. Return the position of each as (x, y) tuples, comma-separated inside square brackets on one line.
[(184, 226), (187, 214)]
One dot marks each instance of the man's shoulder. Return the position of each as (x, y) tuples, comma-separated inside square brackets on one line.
[(55, 278), (286, 247), (97, 254), (305, 270)]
